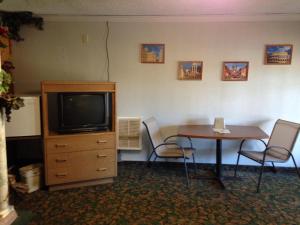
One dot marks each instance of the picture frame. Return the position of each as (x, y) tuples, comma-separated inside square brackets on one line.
[(235, 71), (190, 70), (152, 53), (278, 54)]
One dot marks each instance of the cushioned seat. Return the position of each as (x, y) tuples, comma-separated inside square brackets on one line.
[(259, 156), (175, 153)]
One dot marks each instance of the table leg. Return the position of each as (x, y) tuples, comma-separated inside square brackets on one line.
[(219, 158), (219, 162), (218, 169)]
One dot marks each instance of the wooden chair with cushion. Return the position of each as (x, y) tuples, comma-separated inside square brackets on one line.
[(164, 148), (278, 150)]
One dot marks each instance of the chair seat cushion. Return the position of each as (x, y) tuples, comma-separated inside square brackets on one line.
[(259, 155), (174, 152)]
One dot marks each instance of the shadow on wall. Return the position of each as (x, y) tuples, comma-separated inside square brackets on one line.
[(265, 124), (146, 144)]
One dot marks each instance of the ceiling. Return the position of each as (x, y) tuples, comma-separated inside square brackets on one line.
[(155, 7)]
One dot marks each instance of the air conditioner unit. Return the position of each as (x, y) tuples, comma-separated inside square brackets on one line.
[(129, 133)]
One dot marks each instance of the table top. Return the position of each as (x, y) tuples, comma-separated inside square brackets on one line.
[(236, 132)]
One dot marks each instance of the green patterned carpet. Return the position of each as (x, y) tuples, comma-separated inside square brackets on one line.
[(158, 195)]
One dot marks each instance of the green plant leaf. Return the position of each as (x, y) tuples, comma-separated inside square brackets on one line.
[(5, 81)]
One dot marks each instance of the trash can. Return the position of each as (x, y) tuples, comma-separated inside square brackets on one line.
[(31, 176)]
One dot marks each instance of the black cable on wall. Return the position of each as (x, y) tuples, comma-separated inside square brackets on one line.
[(106, 48)]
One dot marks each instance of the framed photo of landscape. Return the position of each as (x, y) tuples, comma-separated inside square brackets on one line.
[(235, 71), (152, 53), (280, 54), (190, 70)]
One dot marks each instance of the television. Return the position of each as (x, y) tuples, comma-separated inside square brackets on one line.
[(84, 111)]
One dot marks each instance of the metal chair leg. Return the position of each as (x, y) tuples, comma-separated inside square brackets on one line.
[(153, 161), (195, 166), (148, 160), (295, 166), (237, 163), (186, 173), (260, 176), (273, 168)]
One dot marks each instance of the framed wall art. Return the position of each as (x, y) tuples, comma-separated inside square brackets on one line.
[(280, 54), (152, 53), (235, 71), (190, 70)]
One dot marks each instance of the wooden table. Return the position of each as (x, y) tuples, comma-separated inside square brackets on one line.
[(236, 133)]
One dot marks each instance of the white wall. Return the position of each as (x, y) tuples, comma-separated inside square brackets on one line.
[(146, 90)]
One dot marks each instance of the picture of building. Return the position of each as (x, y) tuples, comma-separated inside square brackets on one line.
[(235, 71), (190, 70), (278, 54), (152, 53)]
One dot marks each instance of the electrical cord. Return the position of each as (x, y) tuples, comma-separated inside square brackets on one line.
[(107, 53)]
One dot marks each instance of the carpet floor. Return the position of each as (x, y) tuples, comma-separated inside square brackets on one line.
[(158, 195), (24, 217)]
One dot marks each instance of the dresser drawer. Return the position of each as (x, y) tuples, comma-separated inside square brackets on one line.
[(86, 165), (59, 176), (80, 143), (94, 164), (55, 161)]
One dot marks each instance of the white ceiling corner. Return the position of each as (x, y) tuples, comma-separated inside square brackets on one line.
[(280, 9)]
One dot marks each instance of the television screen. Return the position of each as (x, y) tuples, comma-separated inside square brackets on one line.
[(80, 111)]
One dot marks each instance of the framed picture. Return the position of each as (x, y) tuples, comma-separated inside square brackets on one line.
[(235, 71), (278, 54), (190, 70), (152, 53)]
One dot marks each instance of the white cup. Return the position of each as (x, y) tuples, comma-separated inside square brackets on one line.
[(219, 123)]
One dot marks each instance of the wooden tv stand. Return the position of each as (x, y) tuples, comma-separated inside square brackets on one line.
[(79, 159)]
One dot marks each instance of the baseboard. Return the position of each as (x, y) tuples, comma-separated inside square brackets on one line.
[(209, 166), (80, 184)]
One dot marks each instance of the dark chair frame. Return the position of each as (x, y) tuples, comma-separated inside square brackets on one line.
[(154, 148)]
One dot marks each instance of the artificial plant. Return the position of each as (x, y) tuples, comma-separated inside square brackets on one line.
[(4, 34), (10, 25), (14, 20), (11, 22), (7, 100)]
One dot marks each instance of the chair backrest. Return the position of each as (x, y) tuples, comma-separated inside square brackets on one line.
[(284, 134), (153, 132)]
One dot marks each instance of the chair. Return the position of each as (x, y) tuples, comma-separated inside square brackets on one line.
[(163, 148), (278, 150)]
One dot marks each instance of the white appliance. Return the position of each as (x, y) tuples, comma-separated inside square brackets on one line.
[(27, 120)]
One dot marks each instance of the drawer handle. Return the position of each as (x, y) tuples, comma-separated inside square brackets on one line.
[(61, 145), (60, 160), (101, 169), (61, 174), (101, 141), (101, 156)]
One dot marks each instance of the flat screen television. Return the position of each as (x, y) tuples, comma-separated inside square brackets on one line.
[(80, 112)]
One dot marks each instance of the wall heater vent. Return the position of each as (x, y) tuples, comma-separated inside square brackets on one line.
[(129, 133)]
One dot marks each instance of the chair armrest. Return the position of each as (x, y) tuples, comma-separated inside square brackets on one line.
[(172, 136), (162, 144), (167, 138), (178, 146), (243, 141)]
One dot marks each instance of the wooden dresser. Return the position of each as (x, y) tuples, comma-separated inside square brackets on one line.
[(78, 159)]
